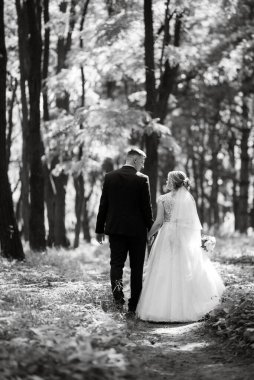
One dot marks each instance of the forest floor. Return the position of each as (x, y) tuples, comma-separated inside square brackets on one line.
[(57, 321)]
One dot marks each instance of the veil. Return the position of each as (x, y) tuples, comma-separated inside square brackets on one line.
[(184, 213), (186, 231)]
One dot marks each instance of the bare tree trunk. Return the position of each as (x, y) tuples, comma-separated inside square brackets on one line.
[(62, 102), (36, 222), (86, 229), (214, 207), (194, 166), (151, 140), (166, 164), (49, 185), (60, 231), (10, 243), (79, 180), (50, 195), (195, 174), (169, 75), (157, 102), (24, 69), (14, 86), (215, 147), (201, 207), (79, 201), (243, 214), (235, 198), (45, 61)]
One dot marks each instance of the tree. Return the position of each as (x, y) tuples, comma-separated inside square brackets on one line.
[(56, 205), (81, 200), (157, 98), (24, 65), (36, 222), (151, 140), (10, 243)]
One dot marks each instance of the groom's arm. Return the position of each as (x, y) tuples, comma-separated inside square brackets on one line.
[(103, 209), (146, 203)]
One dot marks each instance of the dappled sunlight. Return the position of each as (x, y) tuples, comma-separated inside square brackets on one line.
[(193, 346), (176, 329)]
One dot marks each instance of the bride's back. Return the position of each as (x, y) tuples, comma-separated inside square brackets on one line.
[(167, 201)]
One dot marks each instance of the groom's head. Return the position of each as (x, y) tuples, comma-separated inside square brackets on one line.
[(136, 157)]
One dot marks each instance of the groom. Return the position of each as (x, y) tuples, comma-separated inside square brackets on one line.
[(125, 214)]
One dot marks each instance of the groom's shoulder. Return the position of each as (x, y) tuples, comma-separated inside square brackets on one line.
[(113, 173), (141, 175)]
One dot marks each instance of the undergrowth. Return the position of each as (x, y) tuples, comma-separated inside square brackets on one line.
[(52, 324)]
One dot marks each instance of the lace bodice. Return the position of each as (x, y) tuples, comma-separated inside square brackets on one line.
[(168, 202)]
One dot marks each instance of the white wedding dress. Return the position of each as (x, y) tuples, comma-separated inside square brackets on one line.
[(181, 284)]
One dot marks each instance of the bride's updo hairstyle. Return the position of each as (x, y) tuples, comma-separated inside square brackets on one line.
[(178, 179)]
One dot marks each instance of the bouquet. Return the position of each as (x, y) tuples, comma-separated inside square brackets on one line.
[(208, 243)]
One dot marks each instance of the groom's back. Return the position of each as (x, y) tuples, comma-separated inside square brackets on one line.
[(127, 197)]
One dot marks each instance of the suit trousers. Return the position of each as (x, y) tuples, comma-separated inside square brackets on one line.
[(120, 246)]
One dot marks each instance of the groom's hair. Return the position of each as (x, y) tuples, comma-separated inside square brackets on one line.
[(135, 152)]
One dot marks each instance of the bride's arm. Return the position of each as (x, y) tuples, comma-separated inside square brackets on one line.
[(158, 221)]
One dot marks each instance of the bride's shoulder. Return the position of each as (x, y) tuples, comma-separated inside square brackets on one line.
[(164, 197)]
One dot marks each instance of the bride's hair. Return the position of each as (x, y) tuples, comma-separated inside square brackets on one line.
[(179, 179)]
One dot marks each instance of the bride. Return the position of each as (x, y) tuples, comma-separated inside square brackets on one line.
[(181, 283)]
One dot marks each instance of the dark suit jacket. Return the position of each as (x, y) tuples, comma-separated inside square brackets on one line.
[(125, 205)]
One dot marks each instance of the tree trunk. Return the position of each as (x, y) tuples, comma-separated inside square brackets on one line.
[(214, 207), (195, 172), (45, 61), (49, 194), (151, 140), (24, 69), (156, 104), (235, 198), (60, 231), (79, 200), (62, 102), (201, 207), (168, 77), (36, 222), (14, 86), (79, 181), (86, 229), (215, 148), (10, 243), (243, 215), (166, 164)]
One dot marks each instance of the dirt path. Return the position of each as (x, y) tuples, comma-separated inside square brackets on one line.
[(184, 352)]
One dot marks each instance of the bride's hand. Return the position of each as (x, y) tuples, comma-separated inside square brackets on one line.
[(150, 239)]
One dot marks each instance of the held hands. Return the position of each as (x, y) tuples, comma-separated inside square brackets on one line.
[(100, 238), (150, 239)]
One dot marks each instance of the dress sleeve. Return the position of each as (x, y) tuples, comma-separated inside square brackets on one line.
[(160, 199)]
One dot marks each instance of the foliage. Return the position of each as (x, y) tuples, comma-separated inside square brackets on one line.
[(233, 319), (50, 315), (203, 127)]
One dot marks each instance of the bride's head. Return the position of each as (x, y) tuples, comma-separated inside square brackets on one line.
[(177, 179)]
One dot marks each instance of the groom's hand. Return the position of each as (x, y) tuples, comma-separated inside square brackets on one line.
[(100, 238)]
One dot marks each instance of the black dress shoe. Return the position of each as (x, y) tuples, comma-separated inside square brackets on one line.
[(130, 314), (119, 304), (119, 301)]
